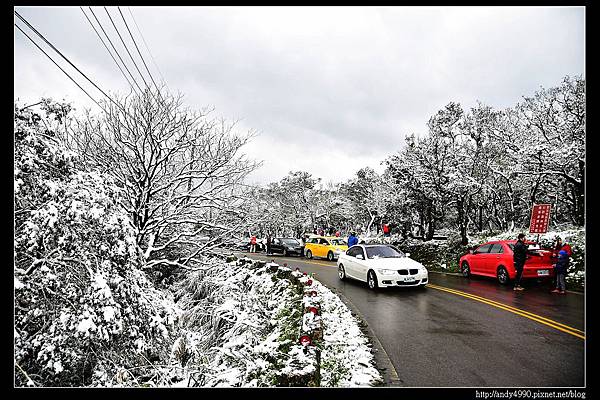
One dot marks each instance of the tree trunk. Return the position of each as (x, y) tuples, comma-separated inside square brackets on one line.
[(430, 224)]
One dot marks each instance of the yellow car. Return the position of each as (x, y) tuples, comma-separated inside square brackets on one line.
[(325, 247)]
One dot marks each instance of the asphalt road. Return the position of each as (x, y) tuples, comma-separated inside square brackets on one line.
[(467, 332)]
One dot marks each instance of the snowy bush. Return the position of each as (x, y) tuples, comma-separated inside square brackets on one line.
[(247, 321), (84, 313)]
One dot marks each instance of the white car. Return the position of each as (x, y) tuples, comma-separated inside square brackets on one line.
[(381, 266)]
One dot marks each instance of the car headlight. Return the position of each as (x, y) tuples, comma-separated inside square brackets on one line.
[(386, 271)]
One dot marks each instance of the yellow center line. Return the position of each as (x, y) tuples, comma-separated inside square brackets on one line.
[(514, 308), (523, 313)]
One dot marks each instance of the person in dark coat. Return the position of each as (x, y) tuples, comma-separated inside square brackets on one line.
[(560, 268), (269, 241), (519, 257)]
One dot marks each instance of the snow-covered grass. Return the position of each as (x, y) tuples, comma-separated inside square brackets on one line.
[(247, 322), (346, 358)]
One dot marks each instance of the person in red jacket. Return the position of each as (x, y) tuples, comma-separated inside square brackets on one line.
[(562, 246), (253, 244), (386, 230)]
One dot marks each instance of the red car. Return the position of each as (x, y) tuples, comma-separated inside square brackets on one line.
[(496, 259)]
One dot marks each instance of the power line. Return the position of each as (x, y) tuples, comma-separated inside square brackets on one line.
[(128, 52), (113, 46), (107, 49), (59, 67), (145, 44), (138, 50), (66, 59)]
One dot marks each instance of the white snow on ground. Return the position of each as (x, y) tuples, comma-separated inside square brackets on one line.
[(346, 358), (244, 306)]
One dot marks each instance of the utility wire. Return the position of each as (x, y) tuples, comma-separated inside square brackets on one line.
[(146, 44), (128, 52), (145, 65), (113, 46), (59, 67), (67, 60), (107, 49), (138, 50)]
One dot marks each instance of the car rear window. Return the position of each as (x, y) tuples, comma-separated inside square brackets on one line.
[(483, 249), (496, 248)]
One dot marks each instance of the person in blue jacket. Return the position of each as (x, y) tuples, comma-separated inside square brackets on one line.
[(560, 268), (352, 239)]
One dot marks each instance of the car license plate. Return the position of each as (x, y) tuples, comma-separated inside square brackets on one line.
[(543, 272), (409, 280)]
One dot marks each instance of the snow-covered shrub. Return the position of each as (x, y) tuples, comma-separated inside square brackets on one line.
[(247, 321), (84, 313)]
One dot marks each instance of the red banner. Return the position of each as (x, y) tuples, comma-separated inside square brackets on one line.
[(540, 218)]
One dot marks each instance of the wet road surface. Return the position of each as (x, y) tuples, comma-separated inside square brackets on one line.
[(467, 332)]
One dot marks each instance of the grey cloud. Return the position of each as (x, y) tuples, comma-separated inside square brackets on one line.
[(353, 80)]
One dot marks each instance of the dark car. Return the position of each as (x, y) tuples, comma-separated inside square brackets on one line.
[(287, 246)]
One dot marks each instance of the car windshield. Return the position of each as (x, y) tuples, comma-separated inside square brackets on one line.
[(292, 242), (338, 242), (383, 252)]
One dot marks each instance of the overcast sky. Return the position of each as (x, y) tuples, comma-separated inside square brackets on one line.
[(329, 89)]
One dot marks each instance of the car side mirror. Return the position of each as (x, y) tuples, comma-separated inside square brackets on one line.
[(359, 256), (407, 254)]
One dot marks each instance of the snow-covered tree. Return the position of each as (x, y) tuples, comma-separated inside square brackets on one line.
[(181, 172), (84, 311), (366, 197)]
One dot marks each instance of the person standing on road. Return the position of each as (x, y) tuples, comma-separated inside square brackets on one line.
[(519, 257), (560, 245), (352, 239), (253, 244), (560, 268), (269, 243)]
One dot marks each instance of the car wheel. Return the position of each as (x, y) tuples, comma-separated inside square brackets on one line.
[(502, 276), (308, 254), (465, 269), (372, 280), (330, 256), (341, 272)]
